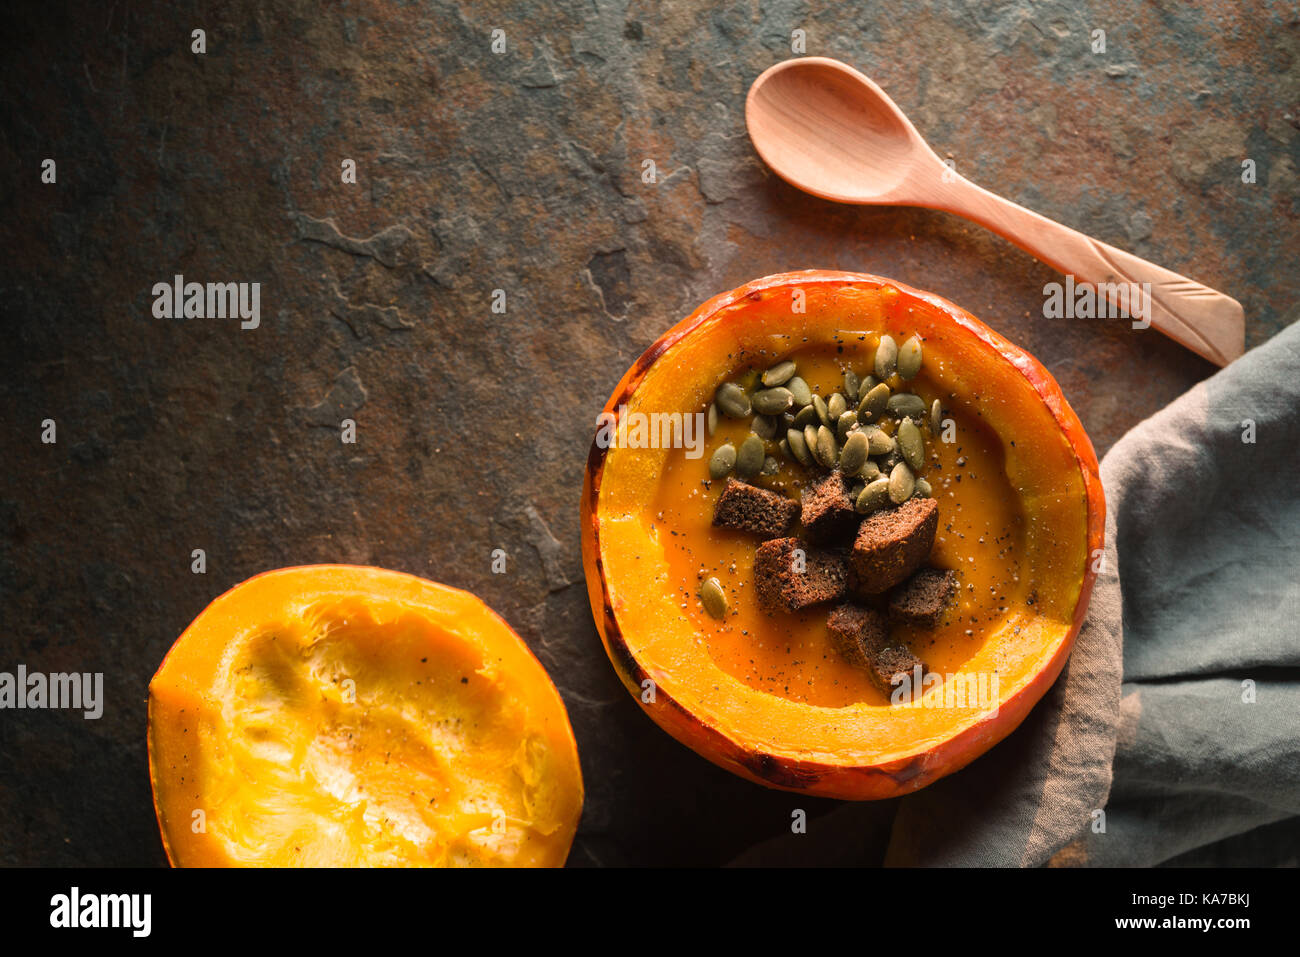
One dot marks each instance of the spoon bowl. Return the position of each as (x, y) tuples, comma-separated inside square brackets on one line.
[(828, 130)]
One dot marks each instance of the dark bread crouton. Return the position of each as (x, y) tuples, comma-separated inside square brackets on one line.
[(827, 513), (893, 543), (861, 636), (785, 582), (887, 661), (755, 510), (922, 598), (855, 631)]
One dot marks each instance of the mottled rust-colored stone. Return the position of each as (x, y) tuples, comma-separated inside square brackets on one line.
[(523, 172)]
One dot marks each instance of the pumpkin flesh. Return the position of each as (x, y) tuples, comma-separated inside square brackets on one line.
[(344, 716)]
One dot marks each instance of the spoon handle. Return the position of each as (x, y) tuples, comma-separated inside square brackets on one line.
[(1202, 319)]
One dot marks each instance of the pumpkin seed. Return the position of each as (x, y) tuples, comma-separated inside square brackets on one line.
[(805, 416), (764, 426), (799, 389), (901, 484), (854, 454), (779, 374), (888, 461), (750, 457), (911, 444), (868, 383), (874, 403), (878, 442), (843, 424), (836, 406), (784, 446), (798, 447), (810, 438), (907, 404), (851, 385), (826, 449), (886, 357), (713, 418), (870, 472), (909, 358), (713, 598), (923, 489), (722, 461), (936, 418), (822, 412), (770, 466), (773, 401), (732, 401), (874, 496)]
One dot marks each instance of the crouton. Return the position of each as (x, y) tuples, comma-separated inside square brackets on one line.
[(789, 576), (755, 510), (826, 512), (922, 598), (855, 631), (893, 543)]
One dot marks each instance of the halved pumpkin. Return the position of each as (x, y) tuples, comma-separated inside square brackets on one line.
[(766, 696), (333, 715)]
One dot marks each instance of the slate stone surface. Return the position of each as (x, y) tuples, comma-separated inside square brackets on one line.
[(522, 172)]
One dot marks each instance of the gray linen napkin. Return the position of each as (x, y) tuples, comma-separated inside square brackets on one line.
[(1174, 730)]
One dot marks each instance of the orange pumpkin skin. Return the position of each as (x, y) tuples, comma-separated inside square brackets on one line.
[(991, 356), (400, 633)]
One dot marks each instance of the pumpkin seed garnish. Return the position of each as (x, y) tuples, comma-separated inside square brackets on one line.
[(722, 461), (713, 598), (874, 403), (911, 444), (874, 496), (886, 357), (851, 385), (907, 404), (923, 489), (784, 446), (770, 466), (901, 484), (854, 454), (798, 446), (713, 418), (909, 358), (764, 426), (936, 418), (773, 401), (827, 451), (750, 457), (878, 442), (843, 424), (732, 401), (805, 416), (822, 412), (870, 472), (810, 438), (799, 389), (836, 407), (779, 374)]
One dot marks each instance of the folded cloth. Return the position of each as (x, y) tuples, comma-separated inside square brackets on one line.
[(1174, 730)]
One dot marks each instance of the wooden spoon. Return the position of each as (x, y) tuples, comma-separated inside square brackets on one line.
[(828, 130)]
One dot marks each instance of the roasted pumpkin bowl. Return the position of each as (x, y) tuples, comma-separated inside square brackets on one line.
[(1021, 517), (333, 715)]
